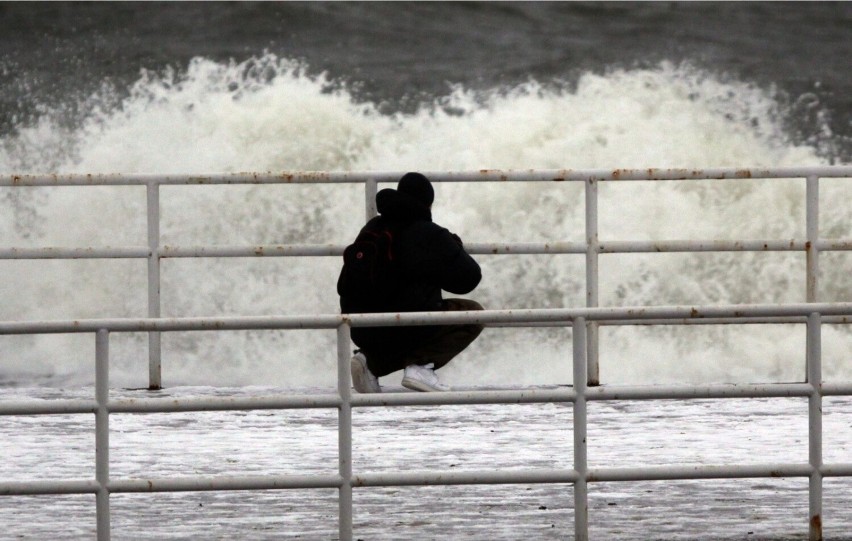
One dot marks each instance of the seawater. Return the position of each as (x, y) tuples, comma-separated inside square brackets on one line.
[(269, 113)]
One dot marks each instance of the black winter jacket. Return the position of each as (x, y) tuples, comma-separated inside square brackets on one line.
[(430, 258)]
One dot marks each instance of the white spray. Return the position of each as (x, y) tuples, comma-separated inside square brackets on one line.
[(266, 114)]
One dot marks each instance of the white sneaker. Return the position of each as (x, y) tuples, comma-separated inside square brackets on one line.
[(422, 378), (362, 379)]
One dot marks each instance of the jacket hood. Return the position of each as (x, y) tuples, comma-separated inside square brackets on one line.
[(399, 206)]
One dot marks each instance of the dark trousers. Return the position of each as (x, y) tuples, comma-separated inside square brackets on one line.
[(389, 349)]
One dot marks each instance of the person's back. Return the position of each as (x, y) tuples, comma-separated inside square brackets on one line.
[(428, 259)]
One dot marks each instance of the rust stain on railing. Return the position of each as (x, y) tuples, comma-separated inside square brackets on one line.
[(488, 172), (816, 527)]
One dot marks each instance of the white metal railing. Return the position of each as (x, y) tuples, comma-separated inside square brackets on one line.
[(592, 247), (584, 321), (347, 479)]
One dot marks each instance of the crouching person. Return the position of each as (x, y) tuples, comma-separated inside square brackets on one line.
[(400, 262)]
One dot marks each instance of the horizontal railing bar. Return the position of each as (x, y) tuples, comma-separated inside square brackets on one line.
[(247, 482), (834, 245), (526, 248), (651, 473), (836, 389), (781, 320), (328, 321), (58, 486), (173, 324), (465, 397), (677, 246), (613, 246), (334, 250), (680, 392), (672, 473), (458, 397), (279, 250), (51, 252), (144, 179), (337, 249), (257, 482), (167, 405), (662, 246), (488, 477), (604, 175), (788, 320), (728, 321), (836, 470), (710, 321), (599, 314), (485, 175), (46, 407)]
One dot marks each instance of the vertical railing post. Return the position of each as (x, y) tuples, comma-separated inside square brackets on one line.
[(581, 495), (814, 361), (102, 433), (592, 278), (371, 187), (154, 347), (344, 441), (812, 248)]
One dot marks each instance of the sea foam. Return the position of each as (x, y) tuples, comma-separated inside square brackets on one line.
[(269, 114)]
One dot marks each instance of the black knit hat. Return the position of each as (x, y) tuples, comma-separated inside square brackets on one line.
[(418, 187)]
